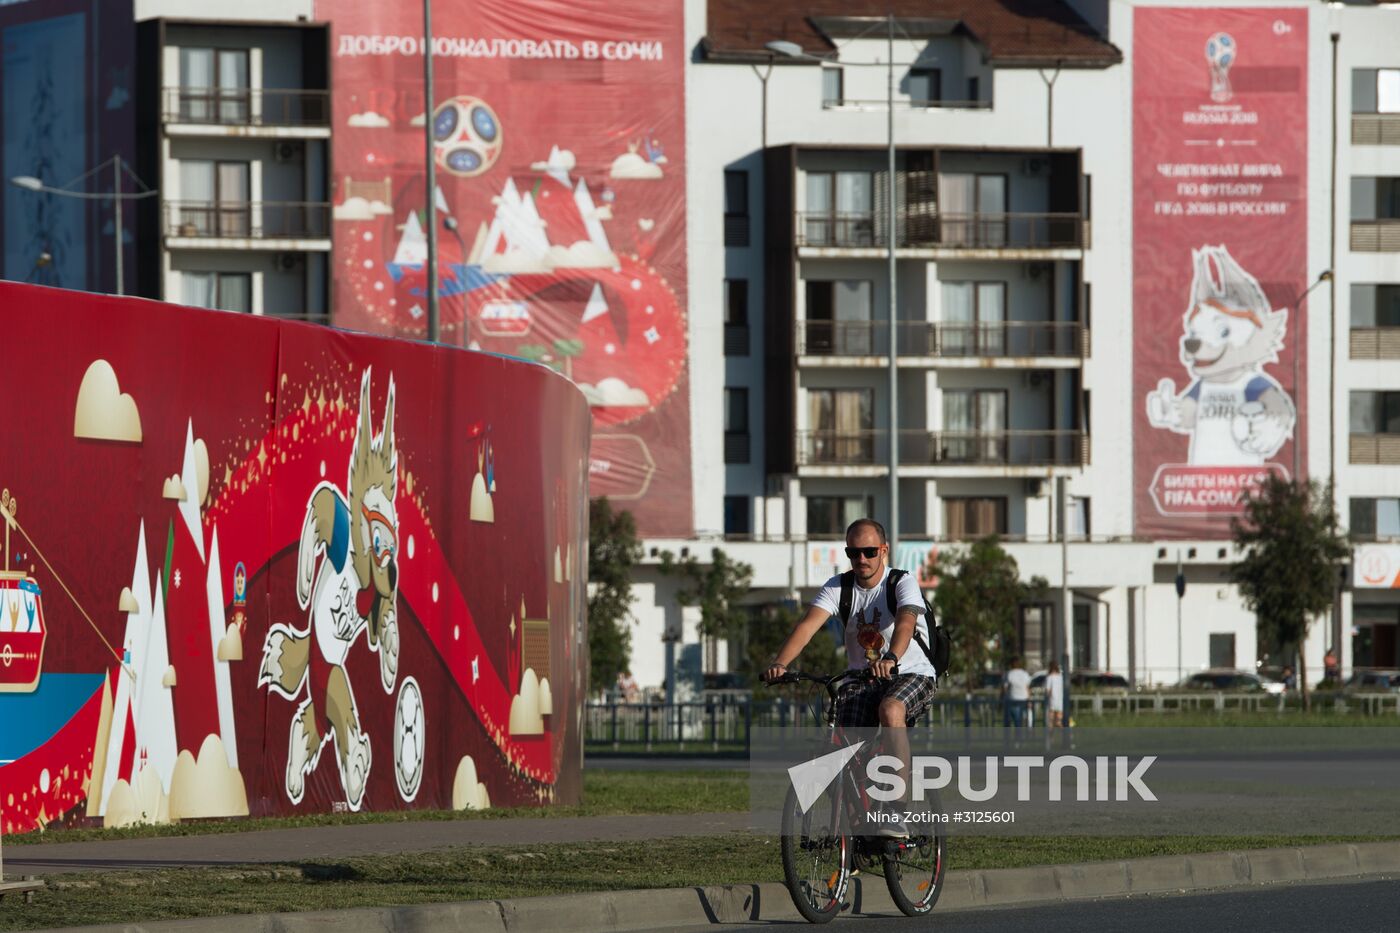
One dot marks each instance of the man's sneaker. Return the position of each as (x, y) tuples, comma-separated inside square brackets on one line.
[(891, 825)]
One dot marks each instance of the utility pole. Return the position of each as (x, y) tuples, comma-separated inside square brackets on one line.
[(117, 219), (434, 322), (1180, 593), (894, 312)]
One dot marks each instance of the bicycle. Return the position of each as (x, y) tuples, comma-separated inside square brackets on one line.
[(820, 856)]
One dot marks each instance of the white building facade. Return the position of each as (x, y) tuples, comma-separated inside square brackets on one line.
[(1015, 326)]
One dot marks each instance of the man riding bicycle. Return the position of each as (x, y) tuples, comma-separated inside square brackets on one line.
[(903, 680)]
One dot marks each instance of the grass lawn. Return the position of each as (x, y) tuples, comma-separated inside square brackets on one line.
[(512, 871)]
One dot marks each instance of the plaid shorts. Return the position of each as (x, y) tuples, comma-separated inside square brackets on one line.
[(858, 703)]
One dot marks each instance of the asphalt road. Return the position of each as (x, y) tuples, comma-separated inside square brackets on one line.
[(638, 763), (1362, 906)]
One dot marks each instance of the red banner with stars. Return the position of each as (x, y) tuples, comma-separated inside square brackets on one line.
[(256, 567), (559, 150)]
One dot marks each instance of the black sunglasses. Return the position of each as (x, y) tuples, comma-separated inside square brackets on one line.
[(870, 553)]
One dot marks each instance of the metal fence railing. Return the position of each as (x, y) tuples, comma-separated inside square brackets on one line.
[(246, 106), (248, 219)]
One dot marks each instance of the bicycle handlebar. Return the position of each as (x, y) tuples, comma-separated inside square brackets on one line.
[(830, 682)]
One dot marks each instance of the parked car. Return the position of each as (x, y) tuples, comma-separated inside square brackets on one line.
[(1384, 680), (1232, 681), (1086, 679)]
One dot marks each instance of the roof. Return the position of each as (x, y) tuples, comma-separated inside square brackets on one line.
[(1014, 33)]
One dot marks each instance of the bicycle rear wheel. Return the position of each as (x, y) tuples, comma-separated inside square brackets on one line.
[(816, 857), (914, 872)]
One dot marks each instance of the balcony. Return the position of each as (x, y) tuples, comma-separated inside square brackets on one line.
[(944, 231), (1375, 343), (1376, 236), (1009, 340), (246, 107), (1374, 449), (270, 224), (1375, 129), (917, 448)]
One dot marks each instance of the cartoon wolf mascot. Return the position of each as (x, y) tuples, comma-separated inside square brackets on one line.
[(347, 577), (1235, 413)]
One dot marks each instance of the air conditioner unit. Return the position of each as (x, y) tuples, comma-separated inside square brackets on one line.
[(1035, 378), (287, 151), (286, 262), (1035, 487), (1034, 165)]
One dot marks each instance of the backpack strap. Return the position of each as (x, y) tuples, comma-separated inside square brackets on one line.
[(892, 591), (848, 592)]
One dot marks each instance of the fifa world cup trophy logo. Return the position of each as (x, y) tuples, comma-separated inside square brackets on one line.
[(868, 637), (1220, 55)]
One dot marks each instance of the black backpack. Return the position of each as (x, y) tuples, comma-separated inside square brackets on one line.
[(938, 653)]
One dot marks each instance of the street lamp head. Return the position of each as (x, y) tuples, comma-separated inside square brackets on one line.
[(1325, 276), (43, 259), (27, 181), (783, 47)]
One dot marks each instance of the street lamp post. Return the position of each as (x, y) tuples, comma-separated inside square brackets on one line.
[(1325, 276), (434, 322), (117, 196), (793, 50)]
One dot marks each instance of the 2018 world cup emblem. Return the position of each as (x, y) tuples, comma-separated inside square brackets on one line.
[(1220, 55)]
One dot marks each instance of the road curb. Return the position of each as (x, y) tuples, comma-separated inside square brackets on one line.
[(746, 903)]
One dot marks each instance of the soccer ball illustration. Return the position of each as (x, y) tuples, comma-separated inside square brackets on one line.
[(1220, 55), (466, 136), (410, 737)]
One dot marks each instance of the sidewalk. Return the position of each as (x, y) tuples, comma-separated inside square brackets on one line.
[(293, 845)]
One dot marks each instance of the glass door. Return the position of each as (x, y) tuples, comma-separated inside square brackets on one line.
[(817, 218), (234, 195), (991, 210), (233, 86)]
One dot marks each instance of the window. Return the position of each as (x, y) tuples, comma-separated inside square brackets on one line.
[(974, 422), (1375, 518), (839, 318), (214, 85), (974, 90), (973, 517), (736, 425), (830, 516), (213, 199), (841, 423), (840, 209), (1084, 634), (736, 515), (224, 291), (1222, 649), (1375, 306), (1375, 90), (1077, 516), (1034, 635), (736, 208), (736, 317), (1375, 198), (833, 87), (1375, 413), (925, 87), (963, 199), (974, 319)]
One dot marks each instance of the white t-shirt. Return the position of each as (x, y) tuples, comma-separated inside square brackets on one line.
[(1055, 691), (870, 614), (1018, 684)]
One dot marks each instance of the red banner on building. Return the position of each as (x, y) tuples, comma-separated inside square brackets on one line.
[(1219, 259), (559, 145), (258, 567)]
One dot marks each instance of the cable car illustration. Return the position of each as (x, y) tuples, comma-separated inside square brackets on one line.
[(22, 633)]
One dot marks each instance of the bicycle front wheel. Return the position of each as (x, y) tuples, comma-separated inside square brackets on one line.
[(816, 857), (914, 870)]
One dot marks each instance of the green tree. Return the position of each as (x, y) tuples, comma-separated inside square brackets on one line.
[(718, 588), (1293, 552), (613, 548), (979, 594), (766, 633)]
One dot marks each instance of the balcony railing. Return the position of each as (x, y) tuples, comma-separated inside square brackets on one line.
[(944, 448), (1375, 449), (257, 220), (993, 448), (736, 340), (1375, 129), (1375, 343), (246, 106), (949, 231), (1376, 236), (1063, 339)]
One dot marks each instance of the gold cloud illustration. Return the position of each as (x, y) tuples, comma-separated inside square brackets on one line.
[(369, 118), (201, 468), (546, 698), (169, 679), (127, 602), (103, 411), (358, 208), (482, 509), (630, 165), (231, 645), (467, 792), (525, 716), (173, 488), (206, 787), (145, 802)]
